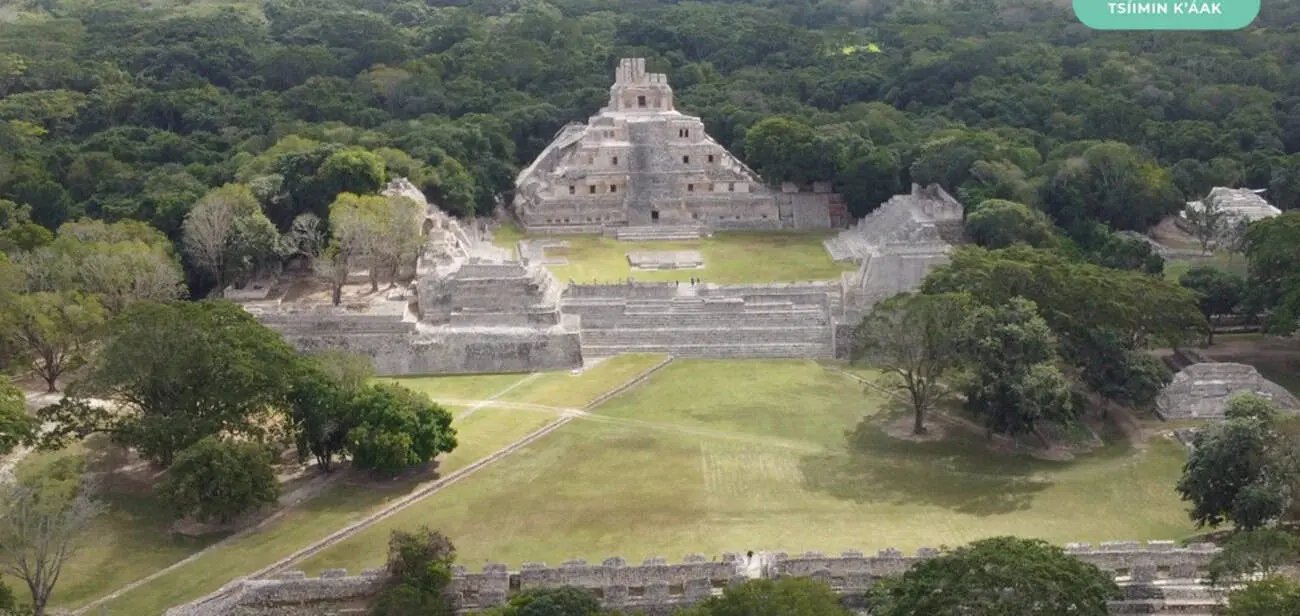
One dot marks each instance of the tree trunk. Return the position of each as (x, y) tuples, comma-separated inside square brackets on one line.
[(336, 294), (374, 278), (1209, 338), (50, 381), (919, 426)]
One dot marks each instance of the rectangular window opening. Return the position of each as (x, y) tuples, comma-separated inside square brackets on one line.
[(690, 188), (731, 187), (591, 190), (614, 160), (686, 160), (710, 158), (640, 101), (573, 190), (613, 188)]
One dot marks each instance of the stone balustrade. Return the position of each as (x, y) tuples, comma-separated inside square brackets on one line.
[(657, 586)]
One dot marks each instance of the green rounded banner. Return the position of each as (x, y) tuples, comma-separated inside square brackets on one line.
[(1166, 14)]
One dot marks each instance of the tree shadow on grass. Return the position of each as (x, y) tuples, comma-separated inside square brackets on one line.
[(958, 473)]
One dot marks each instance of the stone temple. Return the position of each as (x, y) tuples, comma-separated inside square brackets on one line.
[(1202, 391), (639, 164)]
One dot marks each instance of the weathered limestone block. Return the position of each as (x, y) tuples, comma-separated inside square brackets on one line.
[(291, 575), (616, 561), (695, 558), (926, 552), (1184, 571), (697, 589), (656, 593), (334, 573), (1143, 573), (889, 553), (1160, 546), (615, 596)]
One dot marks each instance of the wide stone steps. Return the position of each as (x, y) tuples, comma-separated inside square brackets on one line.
[(705, 320), (684, 336), (715, 351), (660, 233)]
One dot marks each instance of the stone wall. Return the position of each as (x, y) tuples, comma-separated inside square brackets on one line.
[(658, 587), (454, 350)]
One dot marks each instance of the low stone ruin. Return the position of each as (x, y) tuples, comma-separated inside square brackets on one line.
[(665, 260), (1202, 391), (1157, 576)]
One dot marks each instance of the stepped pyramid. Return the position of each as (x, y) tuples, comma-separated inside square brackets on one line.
[(639, 162)]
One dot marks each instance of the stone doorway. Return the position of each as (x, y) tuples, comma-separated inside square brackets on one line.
[(654, 215)]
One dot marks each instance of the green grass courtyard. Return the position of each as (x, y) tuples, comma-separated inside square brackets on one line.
[(729, 257), (703, 456)]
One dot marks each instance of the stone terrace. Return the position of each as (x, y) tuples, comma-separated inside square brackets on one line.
[(703, 321), (1158, 578)]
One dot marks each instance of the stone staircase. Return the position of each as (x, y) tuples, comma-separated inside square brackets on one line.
[(1182, 597), (651, 233)]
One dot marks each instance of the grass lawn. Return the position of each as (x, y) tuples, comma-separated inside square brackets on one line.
[(593, 491), (796, 400), (1235, 263), (575, 391), (480, 434), (729, 258), (125, 543), (473, 387), (646, 478)]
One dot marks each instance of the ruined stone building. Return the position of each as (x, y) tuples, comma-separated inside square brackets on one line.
[(896, 246), (1202, 391), (641, 163)]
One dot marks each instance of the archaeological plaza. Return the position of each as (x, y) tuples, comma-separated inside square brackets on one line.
[(641, 271)]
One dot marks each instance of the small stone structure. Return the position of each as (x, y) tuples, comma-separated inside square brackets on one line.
[(470, 308), (896, 246), (1149, 572), (641, 163), (1202, 391), (665, 260), (1244, 203), (704, 320)]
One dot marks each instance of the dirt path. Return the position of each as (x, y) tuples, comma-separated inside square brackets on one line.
[(478, 404)]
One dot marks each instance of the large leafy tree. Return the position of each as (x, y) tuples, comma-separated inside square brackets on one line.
[(1217, 292), (916, 338), (419, 570), (785, 597), (397, 428), (220, 479), (997, 223), (173, 374), (1271, 596), (321, 404), (227, 236), (1014, 384), (1110, 182), (788, 150), (1273, 252), (56, 330), (1240, 471), (1003, 575)]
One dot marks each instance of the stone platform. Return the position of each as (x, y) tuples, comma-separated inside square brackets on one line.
[(665, 260)]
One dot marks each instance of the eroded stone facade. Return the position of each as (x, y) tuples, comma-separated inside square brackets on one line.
[(640, 162)]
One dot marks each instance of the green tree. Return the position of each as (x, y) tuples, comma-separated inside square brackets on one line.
[(1002, 575), (1217, 292), (868, 178), (915, 338), (1272, 596), (1014, 384), (220, 479), (320, 404), (397, 428), (353, 170), (787, 150), (1112, 183), (1207, 222), (785, 597), (57, 330), (43, 518), (227, 236), (1257, 552), (997, 224), (178, 373), (1273, 255), (419, 570), (562, 601), (16, 426), (1240, 471)]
